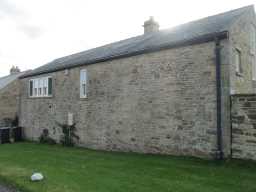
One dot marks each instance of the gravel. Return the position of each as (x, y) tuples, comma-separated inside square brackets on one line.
[(6, 189)]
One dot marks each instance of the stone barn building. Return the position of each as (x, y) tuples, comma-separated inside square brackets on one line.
[(166, 91), (10, 95)]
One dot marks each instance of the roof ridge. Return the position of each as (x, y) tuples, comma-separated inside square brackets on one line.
[(211, 16), (15, 74), (162, 30), (227, 12), (213, 25)]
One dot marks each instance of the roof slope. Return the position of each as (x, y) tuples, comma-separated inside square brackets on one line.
[(185, 32), (4, 81)]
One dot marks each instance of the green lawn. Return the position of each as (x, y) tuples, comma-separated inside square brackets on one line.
[(76, 169)]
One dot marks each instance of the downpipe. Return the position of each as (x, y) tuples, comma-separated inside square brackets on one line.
[(219, 153)]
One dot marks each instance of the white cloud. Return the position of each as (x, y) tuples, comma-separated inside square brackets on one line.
[(36, 32), (30, 30), (8, 9)]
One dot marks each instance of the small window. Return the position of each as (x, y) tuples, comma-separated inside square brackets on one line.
[(40, 87), (253, 68), (83, 83), (252, 39), (238, 61)]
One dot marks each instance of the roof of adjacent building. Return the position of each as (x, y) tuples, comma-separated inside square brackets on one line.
[(6, 80), (182, 34)]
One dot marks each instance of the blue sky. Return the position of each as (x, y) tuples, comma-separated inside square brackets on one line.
[(33, 33)]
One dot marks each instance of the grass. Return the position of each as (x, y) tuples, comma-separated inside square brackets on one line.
[(76, 169)]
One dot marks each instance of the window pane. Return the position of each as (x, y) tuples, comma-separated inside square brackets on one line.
[(83, 76), (238, 61), (35, 92), (45, 85), (253, 68), (84, 89), (36, 87), (40, 86), (83, 80), (253, 39)]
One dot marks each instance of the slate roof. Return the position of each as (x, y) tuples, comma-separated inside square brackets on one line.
[(4, 81), (144, 43)]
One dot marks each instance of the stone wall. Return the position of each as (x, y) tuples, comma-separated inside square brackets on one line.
[(233, 83), (9, 101), (162, 102), (239, 38), (244, 126)]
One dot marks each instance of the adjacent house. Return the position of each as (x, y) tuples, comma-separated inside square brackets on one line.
[(166, 91), (10, 95)]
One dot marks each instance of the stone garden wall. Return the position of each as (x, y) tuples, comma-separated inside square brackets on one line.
[(244, 126)]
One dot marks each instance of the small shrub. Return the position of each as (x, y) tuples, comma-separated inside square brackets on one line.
[(45, 138), (69, 136)]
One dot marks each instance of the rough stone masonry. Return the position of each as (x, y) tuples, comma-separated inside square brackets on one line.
[(244, 126), (162, 102)]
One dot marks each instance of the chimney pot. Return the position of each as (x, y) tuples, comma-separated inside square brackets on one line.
[(14, 70), (150, 25)]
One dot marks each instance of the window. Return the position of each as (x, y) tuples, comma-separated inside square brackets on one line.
[(252, 40), (40, 87), (238, 61), (253, 68), (83, 83), (253, 50)]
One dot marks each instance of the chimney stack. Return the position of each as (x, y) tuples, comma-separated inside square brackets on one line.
[(150, 26), (14, 70)]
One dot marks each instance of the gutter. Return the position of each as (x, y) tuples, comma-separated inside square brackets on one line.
[(186, 42), (219, 153)]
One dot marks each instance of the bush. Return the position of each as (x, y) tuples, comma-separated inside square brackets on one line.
[(45, 138), (69, 136)]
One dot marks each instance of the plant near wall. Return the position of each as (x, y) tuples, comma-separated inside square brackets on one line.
[(69, 137), (45, 138)]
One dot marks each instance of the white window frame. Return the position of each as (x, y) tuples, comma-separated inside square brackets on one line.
[(83, 83), (40, 83)]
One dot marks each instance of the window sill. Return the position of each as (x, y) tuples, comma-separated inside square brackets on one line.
[(83, 98), (239, 74), (252, 53), (41, 97)]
